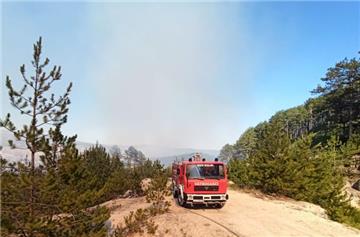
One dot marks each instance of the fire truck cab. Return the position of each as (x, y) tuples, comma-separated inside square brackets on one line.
[(198, 181)]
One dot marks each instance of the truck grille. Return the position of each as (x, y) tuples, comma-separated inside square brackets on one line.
[(206, 188), (215, 197)]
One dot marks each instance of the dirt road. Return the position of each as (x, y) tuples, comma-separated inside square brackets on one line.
[(244, 215)]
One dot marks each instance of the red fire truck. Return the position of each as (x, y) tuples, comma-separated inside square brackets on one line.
[(198, 181)]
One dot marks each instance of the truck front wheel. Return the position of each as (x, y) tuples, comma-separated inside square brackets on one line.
[(181, 201), (175, 193)]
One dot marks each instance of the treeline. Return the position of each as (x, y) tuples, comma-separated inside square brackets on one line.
[(66, 190), (309, 151), (58, 192)]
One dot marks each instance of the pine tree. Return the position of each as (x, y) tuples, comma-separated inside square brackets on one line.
[(350, 154), (97, 164), (47, 199), (134, 157), (239, 172), (341, 92), (245, 145), (32, 102), (268, 161), (226, 153)]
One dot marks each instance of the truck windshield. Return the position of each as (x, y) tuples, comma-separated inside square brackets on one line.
[(205, 171)]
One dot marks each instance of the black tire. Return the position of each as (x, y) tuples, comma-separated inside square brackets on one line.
[(180, 201), (175, 194)]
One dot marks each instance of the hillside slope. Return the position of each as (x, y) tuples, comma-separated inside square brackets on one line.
[(243, 215)]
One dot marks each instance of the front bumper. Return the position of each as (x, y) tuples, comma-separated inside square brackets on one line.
[(206, 198)]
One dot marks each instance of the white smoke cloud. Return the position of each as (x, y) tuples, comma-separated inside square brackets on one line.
[(165, 74)]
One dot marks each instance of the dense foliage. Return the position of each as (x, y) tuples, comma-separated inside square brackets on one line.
[(66, 190), (309, 151), (57, 193)]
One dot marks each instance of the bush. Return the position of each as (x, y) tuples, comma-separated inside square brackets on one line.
[(239, 172)]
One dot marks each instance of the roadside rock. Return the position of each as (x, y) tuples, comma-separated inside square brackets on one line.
[(356, 185), (127, 194), (354, 193)]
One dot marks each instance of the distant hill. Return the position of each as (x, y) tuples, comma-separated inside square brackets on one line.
[(163, 153)]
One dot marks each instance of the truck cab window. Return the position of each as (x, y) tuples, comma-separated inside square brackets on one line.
[(192, 171), (205, 171)]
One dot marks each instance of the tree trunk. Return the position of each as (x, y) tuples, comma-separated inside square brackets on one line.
[(350, 123), (33, 142), (32, 192)]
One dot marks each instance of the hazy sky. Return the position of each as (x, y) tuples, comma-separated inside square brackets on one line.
[(179, 74)]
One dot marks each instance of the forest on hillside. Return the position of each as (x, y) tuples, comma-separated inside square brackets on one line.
[(307, 152)]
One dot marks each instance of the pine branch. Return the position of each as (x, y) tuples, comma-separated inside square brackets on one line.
[(48, 123), (27, 81), (20, 109)]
